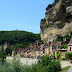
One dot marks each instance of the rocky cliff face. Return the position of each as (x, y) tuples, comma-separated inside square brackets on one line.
[(58, 21)]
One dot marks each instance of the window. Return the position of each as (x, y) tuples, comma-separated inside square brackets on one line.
[(43, 51), (70, 48)]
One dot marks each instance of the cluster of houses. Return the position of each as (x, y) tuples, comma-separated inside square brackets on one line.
[(40, 49)]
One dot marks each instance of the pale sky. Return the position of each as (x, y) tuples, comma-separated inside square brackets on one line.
[(22, 14)]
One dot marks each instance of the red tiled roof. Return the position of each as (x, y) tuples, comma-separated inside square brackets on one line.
[(56, 43), (20, 50)]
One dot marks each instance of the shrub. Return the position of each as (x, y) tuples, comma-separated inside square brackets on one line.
[(64, 46), (50, 65), (55, 1), (54, 66), (59, 38), (43, 21), (45, 60), (53, 4), (67, 55), (45, 65), (49, 6), (21, 55), (59, 55), (46, 26)]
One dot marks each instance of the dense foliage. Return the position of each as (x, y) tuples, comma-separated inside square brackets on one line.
[(67, 55), (55, 1), (8, 51), (61, 38), (18, 38), (45, 65), (51, 5), (59, 55), (2, 55), (43, 21), (64, 46), (46, 26)]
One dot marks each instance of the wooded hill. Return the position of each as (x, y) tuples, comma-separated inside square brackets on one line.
[(18, 38)]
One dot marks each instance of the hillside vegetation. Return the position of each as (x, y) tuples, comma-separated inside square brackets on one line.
[(18, 38)]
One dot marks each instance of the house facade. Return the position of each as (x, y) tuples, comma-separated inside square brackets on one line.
[(69, 48), (20, 52), (63, 52)]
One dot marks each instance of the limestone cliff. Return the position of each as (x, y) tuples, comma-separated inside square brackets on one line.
[(58, 21)]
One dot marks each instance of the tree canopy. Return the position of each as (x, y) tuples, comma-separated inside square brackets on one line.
[(18, 38)]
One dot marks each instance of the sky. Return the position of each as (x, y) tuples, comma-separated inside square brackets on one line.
[(22, 14)]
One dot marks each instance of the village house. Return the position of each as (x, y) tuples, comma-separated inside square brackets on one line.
[(30, 49), (20, 52), (14, 52), (53, 47), (40, 51), (63, 52), (48, 49), (56, 47), (69, 48)]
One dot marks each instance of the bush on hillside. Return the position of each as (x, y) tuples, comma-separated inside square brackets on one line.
[(49, 6), (43, 21), (55, 1)]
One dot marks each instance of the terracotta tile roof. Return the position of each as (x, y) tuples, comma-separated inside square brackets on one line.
[(56, 43), (20, 50), (41, 47), (70, 41)]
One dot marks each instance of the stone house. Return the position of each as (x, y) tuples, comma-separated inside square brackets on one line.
[(63, 52), (14, 52), (40, 51), (30, 49), (69, 48), (48, 49), (53, 47), (20, 52)]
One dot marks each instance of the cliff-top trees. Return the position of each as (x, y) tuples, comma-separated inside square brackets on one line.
[(55, 1), (51, 5)]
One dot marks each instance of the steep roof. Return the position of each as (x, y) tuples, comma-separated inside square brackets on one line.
[(56, 43), (70, 43), (20, 50)]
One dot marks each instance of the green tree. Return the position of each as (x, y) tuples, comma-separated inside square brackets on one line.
[(18, 37), (49, 6), (2, 55), (8, 51), (59, 55), (64, 46), (55, 1)]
